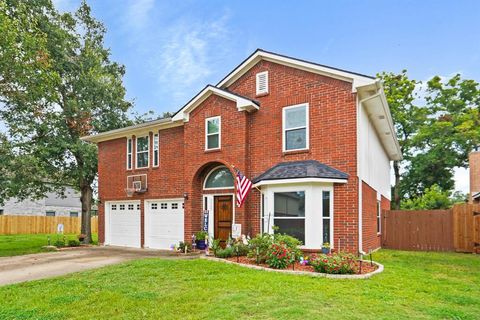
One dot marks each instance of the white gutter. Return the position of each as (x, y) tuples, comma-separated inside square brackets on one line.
[(360, 202)]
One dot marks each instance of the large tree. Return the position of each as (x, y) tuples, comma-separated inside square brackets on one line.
[(407, 116), (57, 84)]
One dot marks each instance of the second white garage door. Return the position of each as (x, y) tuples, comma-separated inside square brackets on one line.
[(163, 223)]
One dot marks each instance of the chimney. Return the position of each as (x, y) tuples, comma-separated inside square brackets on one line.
[(474, 161)]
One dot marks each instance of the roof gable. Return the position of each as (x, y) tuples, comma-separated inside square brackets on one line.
[(356, 79), (243, 103)]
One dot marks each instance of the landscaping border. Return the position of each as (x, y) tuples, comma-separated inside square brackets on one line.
[(306, 273)]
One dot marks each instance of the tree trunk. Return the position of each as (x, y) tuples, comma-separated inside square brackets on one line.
[(396, 188), (86, 199)]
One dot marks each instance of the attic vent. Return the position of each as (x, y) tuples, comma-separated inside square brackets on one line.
[(262, 82)]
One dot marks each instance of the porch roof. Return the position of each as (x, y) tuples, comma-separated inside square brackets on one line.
[(301, 170)]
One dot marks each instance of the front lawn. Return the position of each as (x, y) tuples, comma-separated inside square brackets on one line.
[(413, 285), (18, 244)]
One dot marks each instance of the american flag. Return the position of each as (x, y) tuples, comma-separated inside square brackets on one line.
[(243, 187)]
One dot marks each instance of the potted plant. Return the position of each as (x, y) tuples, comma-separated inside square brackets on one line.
[(326, 248), (200, 240)]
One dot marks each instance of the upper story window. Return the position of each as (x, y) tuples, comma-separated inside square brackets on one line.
[(142, 151), (129, 153), (295, 127), (262, 82), (213, 131), (156, 155)]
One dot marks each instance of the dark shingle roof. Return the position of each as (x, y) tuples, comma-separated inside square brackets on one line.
[(301, 169)]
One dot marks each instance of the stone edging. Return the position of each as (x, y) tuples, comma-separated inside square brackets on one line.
[(307, 273)]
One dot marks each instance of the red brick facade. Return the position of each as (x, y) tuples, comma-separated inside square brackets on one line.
[(253, 143)]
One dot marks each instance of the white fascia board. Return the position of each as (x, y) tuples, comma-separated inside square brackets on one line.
[(356, 80), (299, 180), (139, 129), (242, 103), (378, 111)]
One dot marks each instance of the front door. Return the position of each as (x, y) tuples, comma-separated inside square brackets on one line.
[(223, 217)]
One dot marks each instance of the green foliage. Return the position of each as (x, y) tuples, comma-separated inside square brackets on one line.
[(433, 198), (280, 256), (224, 253), (436, 130), (240, 249), (340, 263), (259, 246), (73, 243), (215, 246), (59, 243), (201, 235), (184, 247), (58, 84)]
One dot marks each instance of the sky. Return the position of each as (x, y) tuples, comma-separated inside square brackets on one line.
[(172, 49)]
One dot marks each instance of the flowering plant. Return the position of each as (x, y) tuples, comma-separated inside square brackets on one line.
[(279, 256), (304, 261), (334, 263)]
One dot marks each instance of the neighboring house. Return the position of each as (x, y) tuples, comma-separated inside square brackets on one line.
[(317, 142), (52, 205), (474, 162)]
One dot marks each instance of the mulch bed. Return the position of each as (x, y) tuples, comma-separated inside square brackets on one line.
[(366, 267)]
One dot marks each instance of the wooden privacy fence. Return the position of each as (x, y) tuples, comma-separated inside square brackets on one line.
[(41, 224), (457, 229)]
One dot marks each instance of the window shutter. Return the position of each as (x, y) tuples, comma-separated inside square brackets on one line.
[(262, 82)]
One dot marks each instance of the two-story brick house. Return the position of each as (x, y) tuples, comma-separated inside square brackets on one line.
[(316, 141)]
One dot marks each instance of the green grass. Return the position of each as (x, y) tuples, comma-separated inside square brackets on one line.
[(413, 285), (14, 245)]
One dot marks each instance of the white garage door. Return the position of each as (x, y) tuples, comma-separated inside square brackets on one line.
[(163, 223), (123, 225)]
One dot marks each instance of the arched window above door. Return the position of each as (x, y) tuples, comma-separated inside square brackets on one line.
[(219, 178)]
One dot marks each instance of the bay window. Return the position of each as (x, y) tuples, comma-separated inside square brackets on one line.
[(295, 127), (142, 151), (326, 217), (289, 213)]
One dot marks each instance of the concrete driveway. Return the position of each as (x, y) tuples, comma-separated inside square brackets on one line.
[(46, 265)]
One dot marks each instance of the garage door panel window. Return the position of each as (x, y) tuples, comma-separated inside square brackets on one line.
[(174, 206), (114, 207), (130, 207), (289, 213), (122, 207), (154, 206), (163, 205)]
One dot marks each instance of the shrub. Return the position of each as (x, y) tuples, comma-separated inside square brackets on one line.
[(224, 253), (334, 263), (182, 246), (279, 256), (259, 246), (215, 246), (59, 243), (292, 243), (240, 248), (73, 243)]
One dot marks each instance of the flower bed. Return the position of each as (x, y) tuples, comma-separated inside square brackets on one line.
[(366, 266)]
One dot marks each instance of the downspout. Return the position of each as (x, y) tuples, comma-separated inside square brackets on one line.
[(360, 214)]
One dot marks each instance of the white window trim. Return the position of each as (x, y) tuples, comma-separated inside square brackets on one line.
[(156, 149), (211, 134), (221, 188), (130, 142), (210, 206), (148, 152), (330, 217), (313, 191), (307, 127), (257, 76)]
